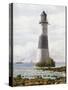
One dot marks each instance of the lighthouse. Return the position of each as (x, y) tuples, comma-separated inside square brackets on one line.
[(45, 60)]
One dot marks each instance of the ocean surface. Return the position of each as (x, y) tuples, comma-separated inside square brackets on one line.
[(28, 70)]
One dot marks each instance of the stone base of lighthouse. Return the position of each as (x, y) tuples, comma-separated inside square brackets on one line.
[(47, 63), (45, 60)]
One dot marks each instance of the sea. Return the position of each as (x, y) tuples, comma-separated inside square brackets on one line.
[(28, 70)]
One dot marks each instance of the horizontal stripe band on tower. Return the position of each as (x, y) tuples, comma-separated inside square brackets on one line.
[(43, 42)]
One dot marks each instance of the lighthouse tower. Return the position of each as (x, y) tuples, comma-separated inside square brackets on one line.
[(44, 61)]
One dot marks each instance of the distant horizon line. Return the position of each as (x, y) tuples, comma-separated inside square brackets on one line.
[(33, 62)]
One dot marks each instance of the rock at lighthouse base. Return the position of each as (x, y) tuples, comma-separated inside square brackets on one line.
[(47, 63)]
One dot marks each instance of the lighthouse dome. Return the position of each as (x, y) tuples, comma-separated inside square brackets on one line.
[(43, 17), (43, 13)]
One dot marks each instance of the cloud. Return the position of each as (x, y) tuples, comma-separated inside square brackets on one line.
[(27, 52), (35, 9)]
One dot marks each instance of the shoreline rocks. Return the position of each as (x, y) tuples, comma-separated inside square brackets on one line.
[(21, 81)]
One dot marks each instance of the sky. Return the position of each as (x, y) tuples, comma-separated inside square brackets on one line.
[(27, 30)]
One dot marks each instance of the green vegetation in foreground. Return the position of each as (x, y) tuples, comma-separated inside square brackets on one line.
[(20, 81), (48, 63), (37, 81)]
